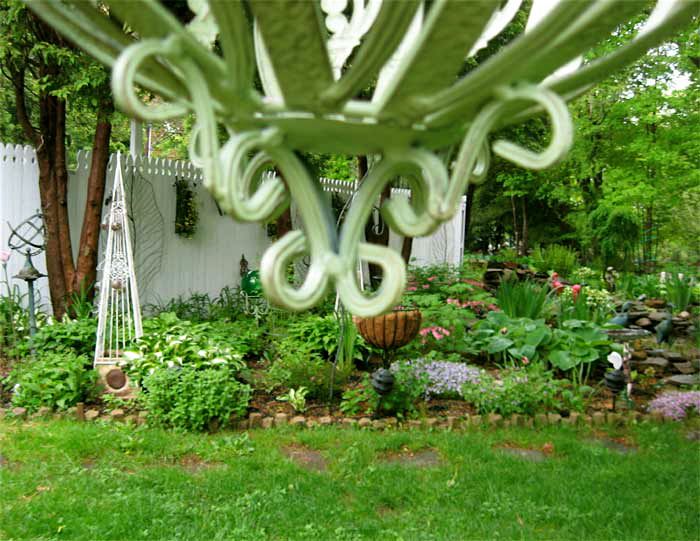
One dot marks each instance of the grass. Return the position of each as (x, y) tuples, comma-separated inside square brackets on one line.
[(68, 480)]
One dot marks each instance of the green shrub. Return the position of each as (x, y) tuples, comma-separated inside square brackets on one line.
[(679, 291), (171, 342), (522, 299), (523, 392), (70, 336), (554, 257), (54, 380), (305, 356), (191, 399)]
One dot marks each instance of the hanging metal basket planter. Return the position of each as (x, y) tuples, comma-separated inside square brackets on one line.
[(390, 331)]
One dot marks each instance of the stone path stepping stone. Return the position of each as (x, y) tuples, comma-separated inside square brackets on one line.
[(693, 435), (424, 458), (531, 455), (618, 447), (309, 459)]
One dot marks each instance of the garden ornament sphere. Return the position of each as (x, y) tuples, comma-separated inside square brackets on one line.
[(311, 102), (250, 283)]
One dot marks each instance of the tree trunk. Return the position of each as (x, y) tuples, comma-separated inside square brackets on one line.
[(471, 190), (524, 236), (516, 229), (85, 274)]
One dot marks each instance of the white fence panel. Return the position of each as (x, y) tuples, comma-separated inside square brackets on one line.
[(19, 199), (168, 265)]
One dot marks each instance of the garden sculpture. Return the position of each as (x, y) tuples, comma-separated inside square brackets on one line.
[(29, 237), (663, 329), (622, 319), (311, 102)]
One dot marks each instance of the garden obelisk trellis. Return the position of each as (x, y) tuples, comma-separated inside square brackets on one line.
[(420, 106), (119, 318)]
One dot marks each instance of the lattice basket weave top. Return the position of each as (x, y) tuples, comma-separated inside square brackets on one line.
[(311, 102)]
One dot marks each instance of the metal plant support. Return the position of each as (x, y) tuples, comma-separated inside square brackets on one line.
[(28, 238), (310, 103), (119, 315)]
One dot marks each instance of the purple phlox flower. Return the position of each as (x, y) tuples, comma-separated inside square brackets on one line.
[(676, 405), (444, 377)]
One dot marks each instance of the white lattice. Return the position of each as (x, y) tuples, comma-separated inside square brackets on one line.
[(120, 311)]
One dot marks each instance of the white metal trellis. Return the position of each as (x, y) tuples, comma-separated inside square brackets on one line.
[(119, 311)]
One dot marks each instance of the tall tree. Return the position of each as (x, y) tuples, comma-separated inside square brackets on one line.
[(46, 74)]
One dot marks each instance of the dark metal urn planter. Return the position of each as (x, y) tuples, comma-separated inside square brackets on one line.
[(388, 332)]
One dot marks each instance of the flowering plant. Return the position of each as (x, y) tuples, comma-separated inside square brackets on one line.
[(677, 405), (445, 378)]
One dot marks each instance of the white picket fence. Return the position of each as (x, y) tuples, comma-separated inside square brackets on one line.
[(166, 264)]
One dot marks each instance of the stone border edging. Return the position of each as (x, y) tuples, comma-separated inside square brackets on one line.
[(258, 421)]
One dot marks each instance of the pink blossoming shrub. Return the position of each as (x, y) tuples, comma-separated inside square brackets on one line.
[(676, 405)]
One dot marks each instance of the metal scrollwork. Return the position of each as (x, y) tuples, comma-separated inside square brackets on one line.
[(309, 103)]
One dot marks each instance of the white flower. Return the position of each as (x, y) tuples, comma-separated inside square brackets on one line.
[(171, 364), (218, 360), (131, 355), (202, 353), (615, 359)]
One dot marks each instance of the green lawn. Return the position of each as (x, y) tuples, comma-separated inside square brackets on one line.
[(69, 480)]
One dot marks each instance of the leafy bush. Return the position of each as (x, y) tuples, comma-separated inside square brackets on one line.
[(200, 307), (631, 285), (70, 336), (521, 341), (171, 342), (679, 291), (590, 305), (409, 387), (522, 299), (192, 399), (54, 380), (554, 257), (522, 392), (305, 355)]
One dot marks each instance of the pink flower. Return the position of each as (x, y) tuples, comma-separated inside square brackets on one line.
[(432, 278), (411, 288), (5, 256), (436, 334), (426, 286), (525, 360), (575, 290)]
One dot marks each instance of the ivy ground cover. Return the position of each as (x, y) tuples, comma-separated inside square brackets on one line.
[(67, 480)]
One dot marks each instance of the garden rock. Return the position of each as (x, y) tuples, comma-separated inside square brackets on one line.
[(281, 419), (255, 420), (674, 356), (657, 362), (639, 355), (684, 368), (79, 411), (20, 413), (644, 322), (684, 379), (553, 418), (658, 316), (91, 415), (117, 414), (325, 420), (598, 418), (364, 422), (298, 420), (267, 422)]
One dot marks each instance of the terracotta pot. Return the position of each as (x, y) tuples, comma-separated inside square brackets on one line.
[(390, 331)]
